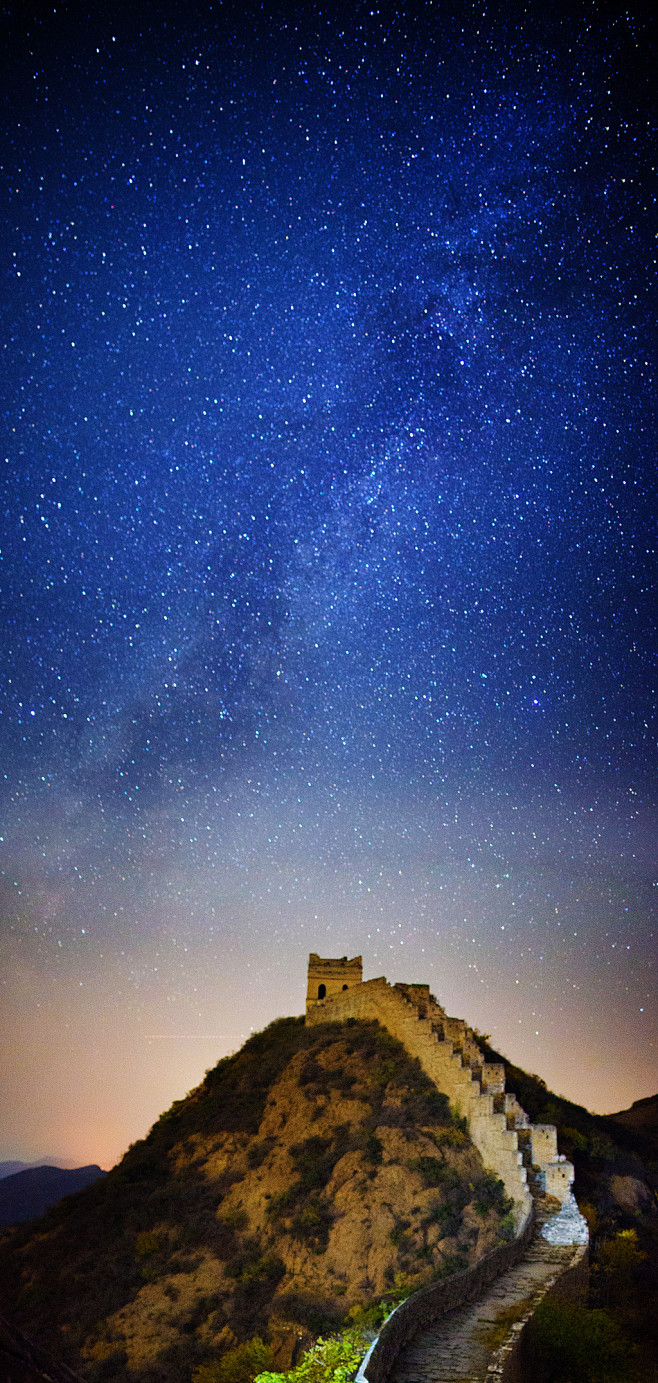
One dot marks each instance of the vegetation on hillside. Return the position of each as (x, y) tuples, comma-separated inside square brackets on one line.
[(308, 1174)]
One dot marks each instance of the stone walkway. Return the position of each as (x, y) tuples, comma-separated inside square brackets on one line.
[(454, 1349)]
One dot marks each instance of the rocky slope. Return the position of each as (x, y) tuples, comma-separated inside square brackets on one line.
[(312, 1172)]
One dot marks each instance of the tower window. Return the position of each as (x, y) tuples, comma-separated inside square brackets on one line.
[(322, 991), (344, 986)]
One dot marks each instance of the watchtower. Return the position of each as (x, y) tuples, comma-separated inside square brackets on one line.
[(328, 977)]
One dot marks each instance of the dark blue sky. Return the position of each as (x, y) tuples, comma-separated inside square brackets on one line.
[(328, 542)]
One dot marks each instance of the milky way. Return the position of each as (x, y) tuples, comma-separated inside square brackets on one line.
[(330, 419)]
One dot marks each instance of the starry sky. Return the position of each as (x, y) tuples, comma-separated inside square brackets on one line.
[(329, 405)]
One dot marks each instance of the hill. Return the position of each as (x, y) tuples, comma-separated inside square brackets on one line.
[(28, 1193), (310, 1173), (641, 1120), (7, 1169)]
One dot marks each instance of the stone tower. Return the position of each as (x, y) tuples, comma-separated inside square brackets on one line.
[(327, 977)]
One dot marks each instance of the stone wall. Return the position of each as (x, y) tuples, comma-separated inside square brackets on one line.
[(544, 1144), (448, 1052), (454, 1063), (557, 1179)]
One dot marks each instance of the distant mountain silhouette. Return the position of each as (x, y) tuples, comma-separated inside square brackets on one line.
[(7, 1169), (641, 1118), (26, 1194)]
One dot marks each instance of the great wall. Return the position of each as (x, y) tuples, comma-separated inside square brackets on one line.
[(550, 1250)]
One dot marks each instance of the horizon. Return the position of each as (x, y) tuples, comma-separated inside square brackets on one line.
[(112, 1159)]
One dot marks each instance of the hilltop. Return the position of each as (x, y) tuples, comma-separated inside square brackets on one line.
[(334, 1162), (308, 1175)]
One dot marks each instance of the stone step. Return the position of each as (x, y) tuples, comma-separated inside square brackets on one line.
[(454, 1349)]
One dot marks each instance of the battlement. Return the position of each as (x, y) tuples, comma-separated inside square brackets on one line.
[(448, 1052)]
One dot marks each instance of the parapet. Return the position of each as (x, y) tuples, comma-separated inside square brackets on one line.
[(418, 994), (544, 1144), (493, 1077), (557, 1178), (328, 977)]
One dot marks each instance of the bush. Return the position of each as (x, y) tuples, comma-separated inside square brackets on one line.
[(258, 1151), (370, 1316), (318, 1314), (571, 1342), (490, 1195), (313, 1161), (147, 1244), (312, 1224), (433, 1171), (238, 1365), (283, 1201), (329, 1361), (373, 1149), (449, 1220), (453, 1137)]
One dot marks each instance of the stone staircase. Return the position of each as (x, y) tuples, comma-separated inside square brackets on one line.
[(524, 1157), (458, 1347)]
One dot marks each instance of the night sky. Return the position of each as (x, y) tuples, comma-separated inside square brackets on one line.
[(329, 405)]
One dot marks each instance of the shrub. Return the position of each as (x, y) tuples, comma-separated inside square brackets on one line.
[(147, 1244), (369, 1316), (234, 1219), (329, 1361), (373, 1149), (490, 1194), (453, 1137), (313, 1160), (572, 1342), (312, 1224), (258, 1151), (318, 1314), (449, 1220), (238, 1365), (398, 1235), (425, 1107), (433, 1171), (250, 1266)]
